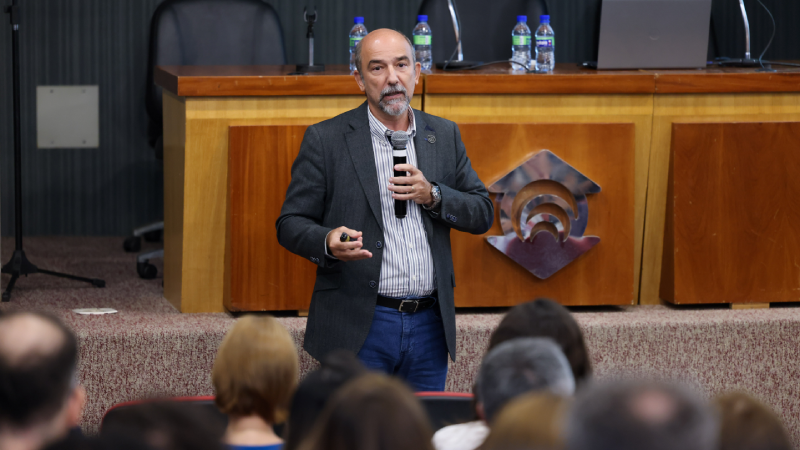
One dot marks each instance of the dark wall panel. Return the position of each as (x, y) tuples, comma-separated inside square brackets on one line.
[(109, 190)]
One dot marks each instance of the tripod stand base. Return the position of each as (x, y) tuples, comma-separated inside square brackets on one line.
[(19, 265)]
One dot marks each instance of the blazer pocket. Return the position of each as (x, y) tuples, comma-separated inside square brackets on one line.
[(327, 281)]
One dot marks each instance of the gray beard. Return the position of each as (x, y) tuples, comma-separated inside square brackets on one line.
[(396, 107)]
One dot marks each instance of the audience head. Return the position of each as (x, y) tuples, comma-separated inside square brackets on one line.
[(519, 366), (116, 442), (372, 412), (256, 369), (640, 415), (336, 369), (167, 425), (531, 421), (40, 399), (546, 318), (747, 424)]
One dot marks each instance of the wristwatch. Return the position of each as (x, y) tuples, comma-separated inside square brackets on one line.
[(436, 193)]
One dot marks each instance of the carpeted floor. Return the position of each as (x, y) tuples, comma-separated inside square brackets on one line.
[(150, 349)]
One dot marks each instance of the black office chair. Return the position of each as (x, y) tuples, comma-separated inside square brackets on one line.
[(485, 27), (202, 33)]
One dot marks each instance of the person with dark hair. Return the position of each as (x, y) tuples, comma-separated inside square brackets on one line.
[(511, 369), (254, 376), (313, 393), (747, 424), (167, 425), (545, 318), (640, 415), (40, 399), (372, 412)]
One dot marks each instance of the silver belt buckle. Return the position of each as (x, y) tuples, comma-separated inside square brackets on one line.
[(402, 302)]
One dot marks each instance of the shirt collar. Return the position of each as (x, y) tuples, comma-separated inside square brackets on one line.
[(378, 129)]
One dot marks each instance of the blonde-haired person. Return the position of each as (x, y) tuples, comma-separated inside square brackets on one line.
[(254, 376), (532, 421), (372, 412)]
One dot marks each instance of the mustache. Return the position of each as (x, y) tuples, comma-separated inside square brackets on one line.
[(393, 89)]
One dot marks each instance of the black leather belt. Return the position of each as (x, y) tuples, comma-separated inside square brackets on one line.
[(407, 305)]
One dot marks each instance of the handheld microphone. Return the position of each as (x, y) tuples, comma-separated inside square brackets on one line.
[(399, 141)]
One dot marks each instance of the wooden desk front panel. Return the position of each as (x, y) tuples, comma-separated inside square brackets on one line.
[(602, 276), (691, 108), (733, 214), (262, 275), (531, 108)]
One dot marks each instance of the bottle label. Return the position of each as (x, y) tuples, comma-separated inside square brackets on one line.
[(545, 42), (355, 40), (422, 40), (521, 40)]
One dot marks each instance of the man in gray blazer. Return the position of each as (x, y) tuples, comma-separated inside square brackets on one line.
[(384, 286)]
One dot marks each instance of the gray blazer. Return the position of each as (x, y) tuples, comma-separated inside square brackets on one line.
[(334, 184)]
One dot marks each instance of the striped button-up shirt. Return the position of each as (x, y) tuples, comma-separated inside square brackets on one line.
[(407, 269)]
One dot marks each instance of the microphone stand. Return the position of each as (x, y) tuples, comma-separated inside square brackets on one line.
[(747, 61), (310, 67), (458, 63), (19, 264)]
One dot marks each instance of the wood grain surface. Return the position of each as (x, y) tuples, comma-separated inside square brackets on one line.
[(559, 109), (693, 108), (257, 81), (735, 213), (602, 276), (263, 274), (566, 79)]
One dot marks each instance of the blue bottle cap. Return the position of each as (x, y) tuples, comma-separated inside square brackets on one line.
[(358, 20), (522, 18), (544, 18), (422, 18)]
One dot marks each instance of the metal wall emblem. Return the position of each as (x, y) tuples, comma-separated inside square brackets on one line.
[(544, 214)]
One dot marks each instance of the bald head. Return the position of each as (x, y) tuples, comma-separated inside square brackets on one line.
[(385, 39), (38, 356), (27, 337)]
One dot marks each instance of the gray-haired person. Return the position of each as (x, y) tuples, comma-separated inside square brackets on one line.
[(509, 370), (640, 415)]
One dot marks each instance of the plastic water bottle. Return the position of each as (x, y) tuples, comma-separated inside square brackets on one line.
[(545, 46), (356, 34), (422, 42), (521, 44)]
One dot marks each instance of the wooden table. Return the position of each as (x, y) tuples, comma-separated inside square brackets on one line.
[(617, 127)]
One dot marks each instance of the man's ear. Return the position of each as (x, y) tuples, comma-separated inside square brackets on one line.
[(479, 411), (418, 69), (359, 80), (75, 405)]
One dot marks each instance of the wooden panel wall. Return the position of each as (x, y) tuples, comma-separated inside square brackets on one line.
[(687, 108), (733, 222), (605, 274), (260, 273)]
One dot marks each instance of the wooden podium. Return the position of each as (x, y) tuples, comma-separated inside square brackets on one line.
[(232, 133)]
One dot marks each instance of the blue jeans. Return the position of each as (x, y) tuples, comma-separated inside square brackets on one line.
[(411, 346)]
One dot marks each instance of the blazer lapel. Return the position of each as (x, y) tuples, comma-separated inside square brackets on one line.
[(359, 143), (425, 147)]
